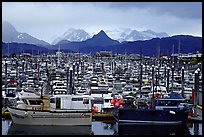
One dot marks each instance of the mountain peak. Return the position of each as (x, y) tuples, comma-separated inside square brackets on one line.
[(101, 34), (102, 31)]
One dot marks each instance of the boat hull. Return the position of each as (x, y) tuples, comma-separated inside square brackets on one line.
[(150, 116), (40, 117)]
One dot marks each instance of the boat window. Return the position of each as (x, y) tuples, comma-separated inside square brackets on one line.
[(35, 102), (52, 100), (77, 99)]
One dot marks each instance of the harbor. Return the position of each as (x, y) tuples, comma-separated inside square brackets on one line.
[(113, 91)]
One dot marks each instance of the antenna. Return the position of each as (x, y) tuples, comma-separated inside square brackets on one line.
[(58, 55)]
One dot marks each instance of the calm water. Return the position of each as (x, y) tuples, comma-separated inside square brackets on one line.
[(101, 128)]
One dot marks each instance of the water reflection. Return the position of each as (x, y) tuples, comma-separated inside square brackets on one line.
[(153, 130), (195, 128), (5, 126), (16, 129), (103, 128)]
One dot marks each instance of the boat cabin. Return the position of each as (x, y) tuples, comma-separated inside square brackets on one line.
[(70, 102)]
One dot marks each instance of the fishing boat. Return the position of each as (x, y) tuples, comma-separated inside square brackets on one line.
[(53, 110), (168, 110)]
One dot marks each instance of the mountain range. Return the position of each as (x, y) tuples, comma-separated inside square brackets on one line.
[(100, 42), (10, 34), (127, 34), (121, 35)]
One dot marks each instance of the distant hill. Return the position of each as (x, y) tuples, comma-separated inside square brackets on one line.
[(188, 44), (151, 47), (18, 48), (101, 42)]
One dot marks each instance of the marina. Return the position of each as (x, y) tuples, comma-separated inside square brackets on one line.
[(75, 90)]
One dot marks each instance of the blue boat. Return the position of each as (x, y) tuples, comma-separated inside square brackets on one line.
[(168, 110)]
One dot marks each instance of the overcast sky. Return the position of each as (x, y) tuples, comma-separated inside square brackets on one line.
[(47, 20)]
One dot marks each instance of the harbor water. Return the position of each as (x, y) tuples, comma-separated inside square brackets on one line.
[(102, 128)]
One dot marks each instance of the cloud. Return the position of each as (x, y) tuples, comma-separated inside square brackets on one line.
[(178, 9), (46, 20)]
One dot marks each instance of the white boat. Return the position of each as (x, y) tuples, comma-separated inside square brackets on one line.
[(56, 110)]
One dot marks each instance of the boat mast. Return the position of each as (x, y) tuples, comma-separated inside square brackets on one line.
[(178, 53), (153, 87), (58, 62), (140, 70)]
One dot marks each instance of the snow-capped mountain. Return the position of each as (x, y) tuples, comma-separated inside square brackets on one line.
[(10, 34), (74, 35), (127, 34), (122, 34)]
